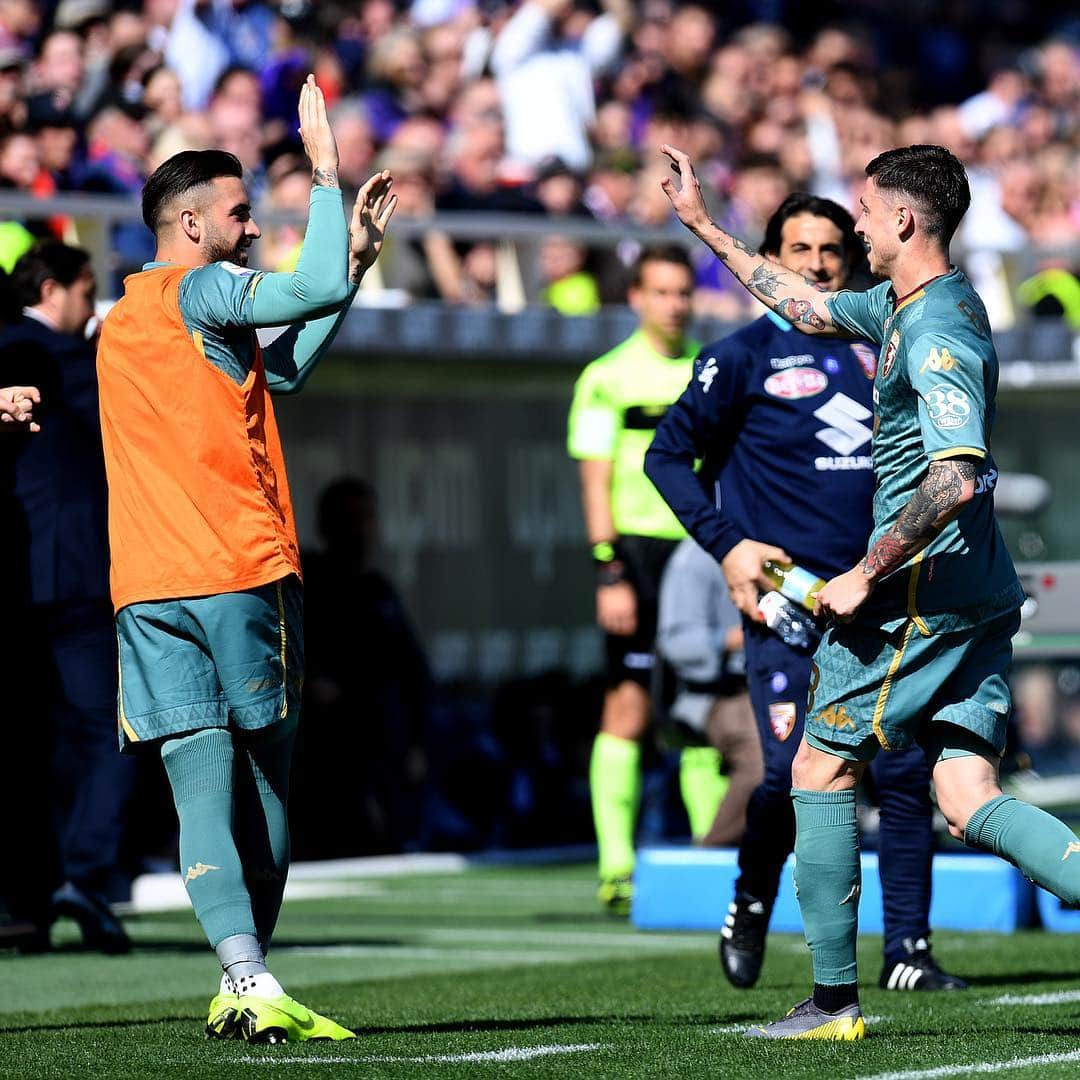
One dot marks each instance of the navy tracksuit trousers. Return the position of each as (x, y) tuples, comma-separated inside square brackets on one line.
[(779, 681)]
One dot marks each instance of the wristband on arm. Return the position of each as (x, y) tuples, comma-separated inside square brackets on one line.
[(610, 567)]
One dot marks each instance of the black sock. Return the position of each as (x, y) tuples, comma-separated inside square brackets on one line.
[(832, 999)]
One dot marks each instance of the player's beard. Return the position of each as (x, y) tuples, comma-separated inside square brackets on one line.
[(218, 248)]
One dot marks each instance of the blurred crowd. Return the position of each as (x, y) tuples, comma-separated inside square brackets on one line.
[(557, 107)]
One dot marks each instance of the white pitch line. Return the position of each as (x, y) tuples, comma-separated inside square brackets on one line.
[(1060, 997), (979, 1067), (399, 952), (545, 938), (512, 1053), (567, 937)]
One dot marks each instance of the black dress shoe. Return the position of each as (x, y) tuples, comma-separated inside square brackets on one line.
[(100, 928)]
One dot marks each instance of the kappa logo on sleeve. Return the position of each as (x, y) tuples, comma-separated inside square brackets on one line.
[(939, 361), (707, 374)]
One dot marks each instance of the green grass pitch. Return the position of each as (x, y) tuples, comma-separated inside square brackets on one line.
[(511, 972)]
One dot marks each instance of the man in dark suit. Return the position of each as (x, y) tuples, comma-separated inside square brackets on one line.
[(67, 785)]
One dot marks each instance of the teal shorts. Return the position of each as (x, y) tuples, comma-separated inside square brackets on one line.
[(871, 689), (233, 659)]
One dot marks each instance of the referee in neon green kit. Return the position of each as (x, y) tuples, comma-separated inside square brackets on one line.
[(618, 401)]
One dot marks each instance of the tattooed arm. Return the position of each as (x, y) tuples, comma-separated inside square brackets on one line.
[(947, 486), (787, 293)]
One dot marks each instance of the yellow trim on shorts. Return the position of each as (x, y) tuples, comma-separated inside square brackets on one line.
[(284, 667), (957, 451), (197, 341), (912, 589), (886, 686), (127, 729)]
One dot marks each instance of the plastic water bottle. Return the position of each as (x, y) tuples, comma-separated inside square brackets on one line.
[(785, 620), (794, 582)]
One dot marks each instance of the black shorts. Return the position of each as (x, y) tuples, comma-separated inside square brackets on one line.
[(632, 657)]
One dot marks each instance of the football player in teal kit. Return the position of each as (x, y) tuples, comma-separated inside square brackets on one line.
[(921, 627)]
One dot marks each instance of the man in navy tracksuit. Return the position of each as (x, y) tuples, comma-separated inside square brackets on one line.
[(783, 422)]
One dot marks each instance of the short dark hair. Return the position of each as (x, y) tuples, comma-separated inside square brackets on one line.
[(668, 253), (48, 261), (931, 177), (182, 172), (802, 202)]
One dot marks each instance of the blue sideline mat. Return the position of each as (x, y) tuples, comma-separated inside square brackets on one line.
[(690, 889)]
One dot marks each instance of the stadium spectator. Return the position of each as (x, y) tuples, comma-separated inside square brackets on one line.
[(19, 23), (290, 192), (566, 284), (597, 81), (56, 133), (356, 142), (397, 71), (161, 95), (428, 267), (72, 789), (58, 71), (545, 59), (558, 189), (19, 161), (474, 155)]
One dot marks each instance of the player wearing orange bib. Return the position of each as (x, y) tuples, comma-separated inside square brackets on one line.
[(205, 568)]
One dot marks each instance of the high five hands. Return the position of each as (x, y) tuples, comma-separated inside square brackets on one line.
[(371, 214)]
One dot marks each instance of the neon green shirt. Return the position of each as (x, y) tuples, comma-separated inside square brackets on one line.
[(618, 400)]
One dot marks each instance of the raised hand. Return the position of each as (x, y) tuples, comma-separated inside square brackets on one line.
[(371, 214), (318, 139), (686, 198)]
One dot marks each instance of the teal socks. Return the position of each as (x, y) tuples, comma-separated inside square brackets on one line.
[(828, 881), (261, 823), (200, 769), (1044, 849), (231, 795), (615, 787)]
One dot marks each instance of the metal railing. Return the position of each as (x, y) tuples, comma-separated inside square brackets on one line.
[(1040, 352)]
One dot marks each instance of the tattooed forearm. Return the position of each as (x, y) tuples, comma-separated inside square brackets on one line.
[(764, 281), (324, 178), (935, 502), (800, 311), (789, 294)]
